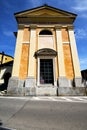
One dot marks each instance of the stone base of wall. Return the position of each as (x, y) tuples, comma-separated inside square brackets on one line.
[(63, 82), (30, 91), (18, 87), (78, 81), (15, 87), (74, 91), (30, 82)]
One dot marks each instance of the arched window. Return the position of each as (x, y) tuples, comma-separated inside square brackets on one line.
[(45, 32)]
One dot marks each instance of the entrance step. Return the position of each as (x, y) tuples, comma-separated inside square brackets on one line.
[(46, 90)]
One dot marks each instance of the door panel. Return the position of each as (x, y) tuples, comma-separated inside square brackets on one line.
[(46, 71)]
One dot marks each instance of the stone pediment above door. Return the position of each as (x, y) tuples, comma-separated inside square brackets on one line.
[(45, 52)]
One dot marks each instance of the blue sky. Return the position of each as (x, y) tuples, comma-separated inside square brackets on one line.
[(8, 24)]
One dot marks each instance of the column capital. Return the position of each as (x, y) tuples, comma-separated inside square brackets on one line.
[(33, 26), (58, 27), (70, 27), (26, 26), (20, 26)]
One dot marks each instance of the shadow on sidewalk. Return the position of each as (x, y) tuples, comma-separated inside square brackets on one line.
[(4, 128)]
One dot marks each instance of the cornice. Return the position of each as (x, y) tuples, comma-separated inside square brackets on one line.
[(26, 26)]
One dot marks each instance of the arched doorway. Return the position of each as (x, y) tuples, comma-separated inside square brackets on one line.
[(45, 66)]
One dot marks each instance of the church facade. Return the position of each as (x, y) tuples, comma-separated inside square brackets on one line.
[(46, 59)]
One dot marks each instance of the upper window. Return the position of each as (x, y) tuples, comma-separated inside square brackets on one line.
[(45, 32)]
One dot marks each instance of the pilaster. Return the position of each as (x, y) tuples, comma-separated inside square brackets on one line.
[(75, 58), (17, 57), (32, 51), (63, 82), (38, 71), (30, 81)]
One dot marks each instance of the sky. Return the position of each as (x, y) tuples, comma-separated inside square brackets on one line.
[(8, 23)]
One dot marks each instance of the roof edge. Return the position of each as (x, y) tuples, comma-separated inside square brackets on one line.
[(7, 55), (43, 6)]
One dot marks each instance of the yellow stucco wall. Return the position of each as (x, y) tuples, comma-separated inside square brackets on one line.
[(67, 54), (68, 61), (24, 58), (25, 49), (17, 57), (26, 35), (65, 36), (23, 72)]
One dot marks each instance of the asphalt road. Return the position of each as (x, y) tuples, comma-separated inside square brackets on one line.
[(26, 114)]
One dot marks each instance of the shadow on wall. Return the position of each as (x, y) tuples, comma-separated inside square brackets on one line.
[(6, 79)]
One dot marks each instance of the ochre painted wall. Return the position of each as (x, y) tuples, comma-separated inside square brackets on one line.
[(68, 61), (23, 72), (26, 35), (67, 54), (65, 37), (24, 61)]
